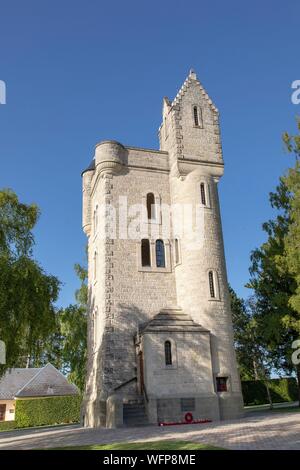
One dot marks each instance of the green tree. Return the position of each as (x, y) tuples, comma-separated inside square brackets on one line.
[(275, 270), (16, 223), (242, 336), (253, 358), (73, 330), (292, 238), (27, 293), (66, 348)]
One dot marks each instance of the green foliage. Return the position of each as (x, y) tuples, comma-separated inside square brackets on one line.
[(162, 444), (67, 349), (243, 343), (281, 390), (16, 222), (292, 238), (27, 293), (7, 425), (253, 359), (73, 325), (275, 269), (81, 294), (47, 411), (273, 285), (292, 143)]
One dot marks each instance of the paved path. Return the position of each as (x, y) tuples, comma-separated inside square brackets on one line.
[(272, 431)]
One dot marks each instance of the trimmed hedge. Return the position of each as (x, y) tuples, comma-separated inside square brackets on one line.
[(282, 390), (7, 425), (49, 410)]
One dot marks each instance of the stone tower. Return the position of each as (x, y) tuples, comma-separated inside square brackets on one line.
[(160, 338)]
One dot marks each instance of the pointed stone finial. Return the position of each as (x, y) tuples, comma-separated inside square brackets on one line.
[(192, 74)]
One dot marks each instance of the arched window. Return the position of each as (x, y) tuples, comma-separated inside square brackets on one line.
[(203, 195), (211, 284), (168, 353), (160, 254), (145, 252), (95, 264), (196, 117), (150, 206), (176, 251)]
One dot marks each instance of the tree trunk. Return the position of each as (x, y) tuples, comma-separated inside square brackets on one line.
[(28, 361), (269, 395), (264, 377), (255, 369)]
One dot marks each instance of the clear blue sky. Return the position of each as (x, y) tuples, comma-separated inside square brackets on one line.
[(81, 71)]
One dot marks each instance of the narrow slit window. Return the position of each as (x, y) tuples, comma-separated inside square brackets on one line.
[(176, 251), (95, 264), (160, 254), (95, 326), (196, 116), (211, 285), (150, 206), (145, 252), (203, 195), (168, 353), (96, 219)]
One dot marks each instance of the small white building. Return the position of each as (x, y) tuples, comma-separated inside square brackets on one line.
[(21, 383)]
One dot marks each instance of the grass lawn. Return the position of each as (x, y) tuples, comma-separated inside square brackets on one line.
[(294, 409), (277, 409), (153, 445)]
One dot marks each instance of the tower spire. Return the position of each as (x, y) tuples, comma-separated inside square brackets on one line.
[(192, 74)]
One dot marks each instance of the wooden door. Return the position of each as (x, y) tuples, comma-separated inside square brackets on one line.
[(2, 412)]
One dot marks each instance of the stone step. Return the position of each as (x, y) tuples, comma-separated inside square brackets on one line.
[(136, 423), (131, 400), (134, 410), (138, 406), (134, 414), (134, 402), (126, 417)]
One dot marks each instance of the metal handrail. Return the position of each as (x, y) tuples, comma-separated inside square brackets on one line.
[(125, 383)]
